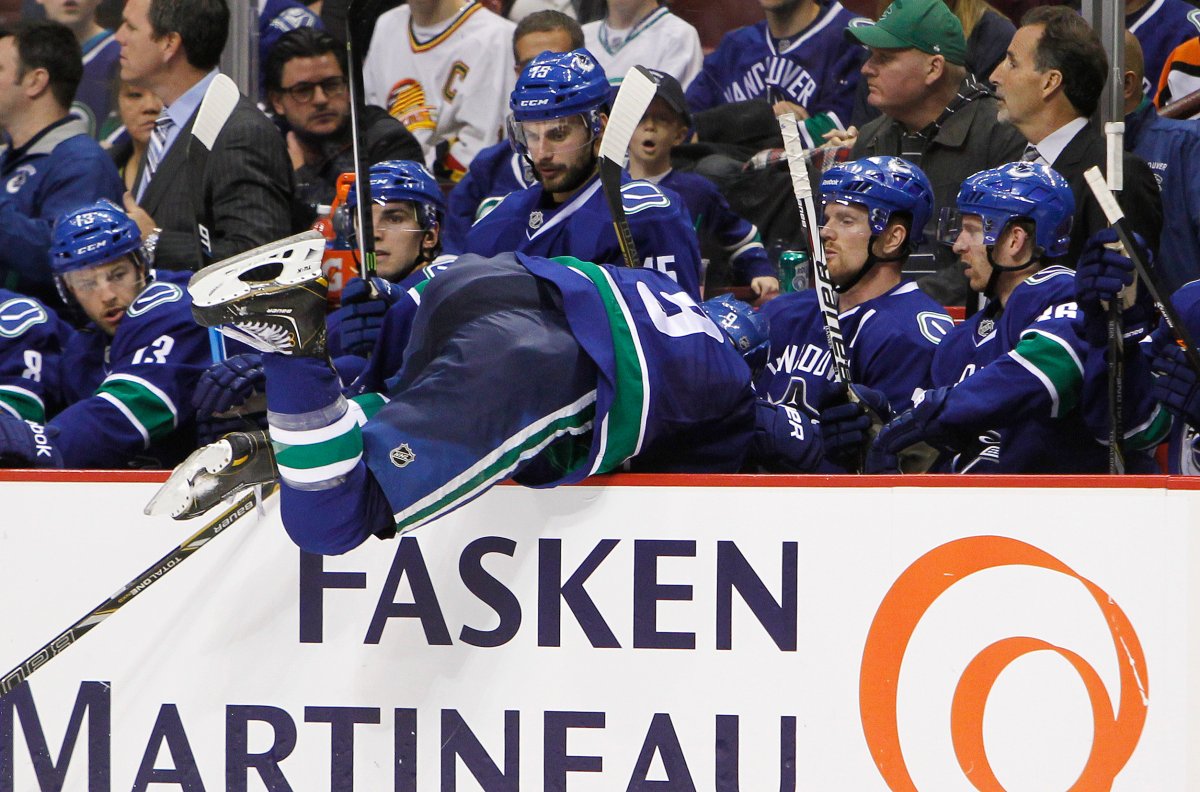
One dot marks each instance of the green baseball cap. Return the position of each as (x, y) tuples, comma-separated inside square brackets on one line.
[(927, 25)]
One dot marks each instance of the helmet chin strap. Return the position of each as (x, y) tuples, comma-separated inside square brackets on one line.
[(989, 290), (872, 259)]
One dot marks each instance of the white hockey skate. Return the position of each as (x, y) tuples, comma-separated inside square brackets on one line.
[(271, 298), (214, 473)]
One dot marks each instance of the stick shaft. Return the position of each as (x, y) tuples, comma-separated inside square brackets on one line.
[(362, 168), (130, 590)]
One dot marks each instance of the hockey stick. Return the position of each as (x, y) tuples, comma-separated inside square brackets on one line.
[(636, 93), (1116, 218), (1115, 135), (143, 581), (362, 169)]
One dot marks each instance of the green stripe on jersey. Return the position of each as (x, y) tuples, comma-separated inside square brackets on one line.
[(337, 449), (1051, 360), (573, 419), (370, 403), (1150, 434), (147, 406), (23, 403), (627, 414)]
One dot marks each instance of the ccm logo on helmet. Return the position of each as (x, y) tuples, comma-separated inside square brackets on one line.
[(90, 248), (533, 102)]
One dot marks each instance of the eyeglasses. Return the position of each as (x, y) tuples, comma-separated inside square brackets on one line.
[(302, 93)]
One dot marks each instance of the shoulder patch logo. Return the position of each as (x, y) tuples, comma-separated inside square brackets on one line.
[(20, 314), (18, 180), (154, 295), (638, 196), (934, 325), (1048, 273), (402, 455)]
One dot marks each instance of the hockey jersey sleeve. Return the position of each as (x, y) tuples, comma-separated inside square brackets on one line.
[(738, 237), (1042, 377), (663, 234), (157, 358), (32, 338)]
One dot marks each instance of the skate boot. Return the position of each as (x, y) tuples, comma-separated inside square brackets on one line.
[(271, 298), (214, 473)]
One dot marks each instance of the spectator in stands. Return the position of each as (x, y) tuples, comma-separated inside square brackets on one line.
[(1180, 75), (517, 10), (644, 33), (277, 18), (210, 203), (664, 126), (1049, 86), (101, 58), (1160, 27), (1172, 150), (796, 59), (138, 109), (936, 115), (499, 169), (445, 71), (51, 165), (307, 87), (987, 32)]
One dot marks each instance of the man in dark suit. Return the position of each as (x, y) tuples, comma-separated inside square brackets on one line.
[(216, 178), (1049, 84)]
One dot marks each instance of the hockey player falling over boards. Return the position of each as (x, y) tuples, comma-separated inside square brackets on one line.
[(540, 370)]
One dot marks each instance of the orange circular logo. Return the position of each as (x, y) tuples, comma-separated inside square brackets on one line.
[(1114, 736)]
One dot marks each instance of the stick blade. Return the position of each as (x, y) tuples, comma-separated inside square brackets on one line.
[(636, 93)]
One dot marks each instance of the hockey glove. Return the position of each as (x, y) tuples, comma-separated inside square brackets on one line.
[(1176, 384), (1099, 277), (25, 444), (847, 427), (365, 303), (920, 424), (229, 384), (785, 440)]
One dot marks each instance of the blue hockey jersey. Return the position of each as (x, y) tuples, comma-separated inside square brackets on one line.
[(96, 97), (890, 339), (1018, 374), (528, 222), (130, 394), (494, 173), (1160, 26), (32, 338), (816, 69), (713, 219)]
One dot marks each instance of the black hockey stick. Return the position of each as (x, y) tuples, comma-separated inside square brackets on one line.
[(143, 581), (362, 169), (637, 92), (1116, 218), (1115, 135)]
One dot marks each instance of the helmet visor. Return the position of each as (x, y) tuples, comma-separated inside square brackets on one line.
[(536, 139)]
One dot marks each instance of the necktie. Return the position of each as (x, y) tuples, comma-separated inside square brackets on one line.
[(158, 147), (1031, 153)]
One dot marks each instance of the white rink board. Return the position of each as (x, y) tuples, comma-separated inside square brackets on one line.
[(205, 674)]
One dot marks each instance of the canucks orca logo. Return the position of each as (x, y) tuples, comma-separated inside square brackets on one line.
[(154, 295), (20, 314), (638, 196), (292, 19), (18, 181), (934, 326)]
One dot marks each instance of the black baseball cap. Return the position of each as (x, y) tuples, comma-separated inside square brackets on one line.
[(671, 92)]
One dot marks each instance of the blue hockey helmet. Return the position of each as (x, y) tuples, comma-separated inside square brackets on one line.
[(404, 180), (744, 326), (1021, 190), (882, 185), (558, 84), (93, 235)]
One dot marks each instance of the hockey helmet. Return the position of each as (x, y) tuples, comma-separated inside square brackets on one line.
[(882, 185), (404, 180), (1019, 190), (92, 235), (744, 326), (558, 84)]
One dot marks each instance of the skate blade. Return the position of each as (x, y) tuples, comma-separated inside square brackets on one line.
[(177, 496), (275, 266)]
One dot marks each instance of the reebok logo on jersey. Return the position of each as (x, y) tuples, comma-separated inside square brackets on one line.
[(44, 449), (402, 455)]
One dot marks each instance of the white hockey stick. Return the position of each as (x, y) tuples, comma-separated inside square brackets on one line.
[(636, 94)]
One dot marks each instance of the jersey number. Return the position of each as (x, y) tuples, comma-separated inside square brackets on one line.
[(1063, 311), (33, 365), (687, 320), (664, 264), (156, 352)]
